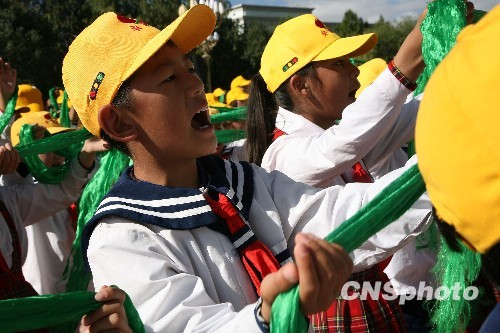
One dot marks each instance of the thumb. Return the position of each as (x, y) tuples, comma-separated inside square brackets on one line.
[(274, 284)]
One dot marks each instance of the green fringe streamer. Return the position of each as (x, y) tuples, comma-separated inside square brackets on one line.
[(112, 163), (444, 20), (10, 108), (49, 310), (386, 207), (451, 268)]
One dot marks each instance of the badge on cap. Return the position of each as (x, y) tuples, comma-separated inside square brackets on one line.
[(95, 85), (290, 64)]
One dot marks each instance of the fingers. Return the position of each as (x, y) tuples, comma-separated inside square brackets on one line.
[(38, 131), (274, 284), (110, 316), (109, 294), (9, 159), (94, 145), (323, 269)]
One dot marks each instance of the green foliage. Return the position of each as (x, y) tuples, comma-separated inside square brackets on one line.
[(390, 37), (350, 25), (35, 35), (237, 53)]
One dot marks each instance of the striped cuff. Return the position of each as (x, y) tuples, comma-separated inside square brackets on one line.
[(263, 325), (401, 77)]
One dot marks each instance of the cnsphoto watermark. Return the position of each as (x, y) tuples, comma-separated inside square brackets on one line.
[(353, 290)]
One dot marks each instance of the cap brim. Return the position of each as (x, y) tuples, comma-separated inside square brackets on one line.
[(23, 109), (349, 46), (55, 129), (187, 32), (217, 105)]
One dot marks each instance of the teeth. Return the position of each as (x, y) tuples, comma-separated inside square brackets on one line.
[(203, 110), (204, 126)]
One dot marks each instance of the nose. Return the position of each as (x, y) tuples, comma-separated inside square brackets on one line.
[(355, 70), (195, 84)]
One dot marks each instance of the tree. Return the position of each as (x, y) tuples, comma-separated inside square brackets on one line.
[(390, 37), (351, 25), (256, 38), (27, 41)]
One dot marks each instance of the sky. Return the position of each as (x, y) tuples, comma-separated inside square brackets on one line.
[(369, 10)]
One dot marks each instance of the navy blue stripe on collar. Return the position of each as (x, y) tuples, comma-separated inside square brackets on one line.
[(176, 208)]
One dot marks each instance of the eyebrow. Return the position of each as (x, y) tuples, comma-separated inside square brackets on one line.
[(167, 63)]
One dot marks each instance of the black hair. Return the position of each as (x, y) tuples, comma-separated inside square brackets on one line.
[(262, 110), (123, 100), (490, 260), (448, 232)]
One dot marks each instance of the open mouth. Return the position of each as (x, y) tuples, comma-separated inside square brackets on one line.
[(201, 120), (352, 94)]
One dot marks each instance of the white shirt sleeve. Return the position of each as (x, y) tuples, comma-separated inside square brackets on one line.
[(317, 159), (29, 203), (321, 211)]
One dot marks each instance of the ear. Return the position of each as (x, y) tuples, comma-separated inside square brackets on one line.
[(298, 84), (117, 124)]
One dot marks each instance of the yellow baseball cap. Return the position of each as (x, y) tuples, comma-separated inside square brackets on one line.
[(42, 118), (239, 81), (59, 100), (301, 40), (213, 101), (458, 133), (113, 47), (29, 96), (218, 92), (236, 94), (368, 72)]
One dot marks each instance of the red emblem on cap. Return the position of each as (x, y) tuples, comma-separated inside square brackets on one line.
[(320, 24), (129, 20)]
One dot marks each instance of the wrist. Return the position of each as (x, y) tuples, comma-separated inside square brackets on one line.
[(261, 320), (401, 77), (86, 160)]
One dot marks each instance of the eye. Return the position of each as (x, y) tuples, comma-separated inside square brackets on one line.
[(169, 79), (339, 62)]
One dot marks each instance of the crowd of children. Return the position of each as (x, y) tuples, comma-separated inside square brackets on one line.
[(204, 235)]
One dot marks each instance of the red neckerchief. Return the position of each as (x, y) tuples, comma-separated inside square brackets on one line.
[(255, 255)]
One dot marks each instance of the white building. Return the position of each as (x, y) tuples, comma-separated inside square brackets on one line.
[(270, 16)]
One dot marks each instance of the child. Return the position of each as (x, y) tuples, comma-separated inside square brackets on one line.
[(18, 209), (302, 90), (457, 136), (50, 240), (181, 229)]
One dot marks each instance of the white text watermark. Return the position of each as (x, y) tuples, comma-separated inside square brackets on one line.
[(353, 289)]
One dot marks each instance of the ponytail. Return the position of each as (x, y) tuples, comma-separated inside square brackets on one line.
[(262, 112), (261, 119)]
